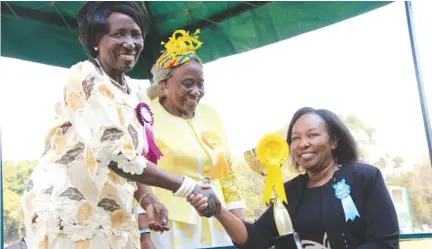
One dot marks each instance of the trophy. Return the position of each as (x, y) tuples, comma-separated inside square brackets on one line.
[(271, 152)]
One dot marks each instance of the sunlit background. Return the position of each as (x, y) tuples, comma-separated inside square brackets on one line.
[(360, 68)]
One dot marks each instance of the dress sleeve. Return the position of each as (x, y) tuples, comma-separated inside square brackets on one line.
[(382, 229), (96, 114), (262, 232)]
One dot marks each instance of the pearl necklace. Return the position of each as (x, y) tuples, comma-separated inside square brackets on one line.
[(123, 87)]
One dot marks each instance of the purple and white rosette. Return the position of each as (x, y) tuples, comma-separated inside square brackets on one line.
[(146, 118)]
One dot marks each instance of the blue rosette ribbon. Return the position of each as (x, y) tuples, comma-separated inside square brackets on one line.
[(342, 192)]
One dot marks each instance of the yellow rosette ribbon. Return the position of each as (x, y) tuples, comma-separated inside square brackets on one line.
[(272, 151), (213, 141)]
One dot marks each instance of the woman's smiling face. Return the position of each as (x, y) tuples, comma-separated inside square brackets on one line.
[(119, 49), (311, 143)]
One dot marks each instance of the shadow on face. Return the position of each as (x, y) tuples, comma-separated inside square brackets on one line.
[(120, 47), (311, 144), (184, 89)]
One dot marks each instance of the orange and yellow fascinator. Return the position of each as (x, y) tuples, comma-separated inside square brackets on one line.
[(179, 49)]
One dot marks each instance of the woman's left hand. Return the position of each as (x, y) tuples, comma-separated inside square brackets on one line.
[(157, 216)]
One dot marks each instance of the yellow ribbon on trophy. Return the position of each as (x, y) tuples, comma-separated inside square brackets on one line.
[(272, 151), (213, 141)]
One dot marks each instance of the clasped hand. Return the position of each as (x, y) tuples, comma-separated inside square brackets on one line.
[(205, 201)]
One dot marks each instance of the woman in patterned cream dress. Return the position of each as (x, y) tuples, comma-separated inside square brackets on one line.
[(80, 195), (191, 136)]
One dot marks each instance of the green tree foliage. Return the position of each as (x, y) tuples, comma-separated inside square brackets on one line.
[(15, 179), (357, 126), (418, 183), (398, 161), (382, 161), (362, 132)]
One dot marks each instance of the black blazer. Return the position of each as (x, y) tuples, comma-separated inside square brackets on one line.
[(376, 228)]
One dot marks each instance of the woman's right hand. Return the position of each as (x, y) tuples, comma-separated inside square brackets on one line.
[(232, 225), (205, 201)]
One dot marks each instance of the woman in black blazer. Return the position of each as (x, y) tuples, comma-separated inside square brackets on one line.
[(323, 146)]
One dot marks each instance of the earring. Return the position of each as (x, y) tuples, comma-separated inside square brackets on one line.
[(96, 48)]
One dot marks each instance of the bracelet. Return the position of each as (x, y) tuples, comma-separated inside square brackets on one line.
[(186, 188), (144, 231), (142, 197)]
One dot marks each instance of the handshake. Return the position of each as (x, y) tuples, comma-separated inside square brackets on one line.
[(205, 201), (202, 198)]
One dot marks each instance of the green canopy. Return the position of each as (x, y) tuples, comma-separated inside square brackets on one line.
[(46, 32)]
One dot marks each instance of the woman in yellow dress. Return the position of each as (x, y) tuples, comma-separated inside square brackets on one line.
[(193, 141), (80, 194)]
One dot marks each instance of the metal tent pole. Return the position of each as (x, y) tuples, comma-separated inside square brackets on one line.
[(422, 95), (1, 195)]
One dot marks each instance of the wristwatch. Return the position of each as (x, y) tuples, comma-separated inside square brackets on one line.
[(144, 231)]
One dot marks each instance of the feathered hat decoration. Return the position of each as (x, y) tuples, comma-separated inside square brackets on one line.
[(179, 49)]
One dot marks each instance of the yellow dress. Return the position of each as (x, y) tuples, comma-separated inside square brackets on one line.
[(187, 154), (73, 200)]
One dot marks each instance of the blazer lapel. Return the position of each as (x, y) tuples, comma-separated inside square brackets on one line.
[(333, 213), (294, 196), (332, 210)]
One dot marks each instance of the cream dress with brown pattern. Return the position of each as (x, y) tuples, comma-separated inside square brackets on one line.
[(73, 200)]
